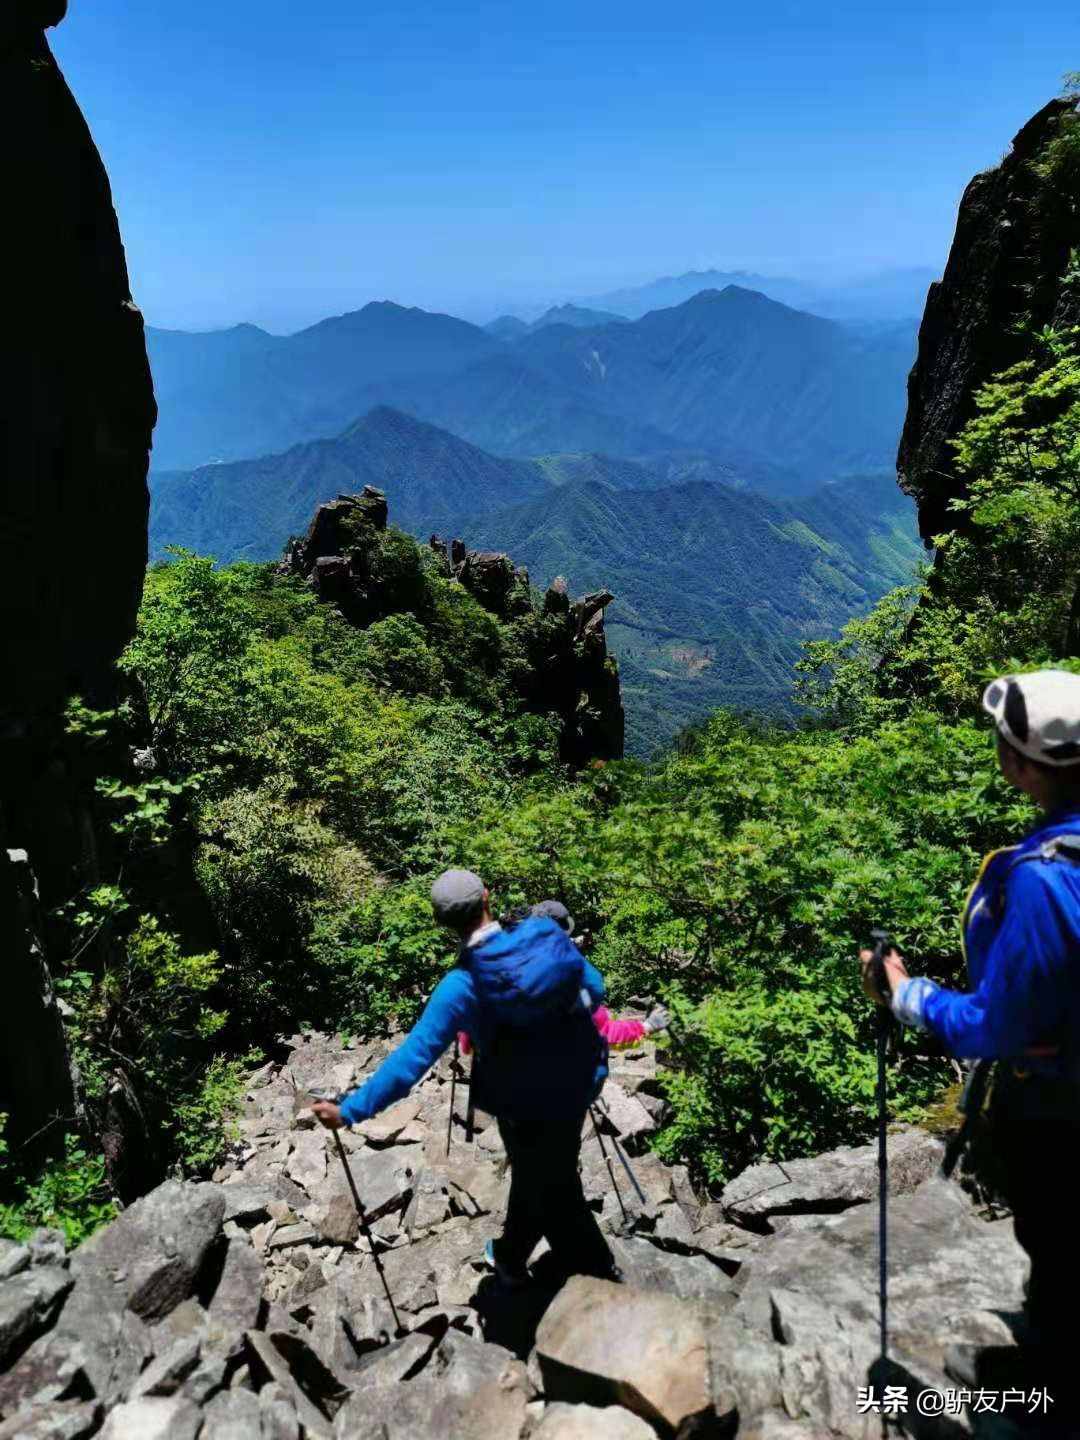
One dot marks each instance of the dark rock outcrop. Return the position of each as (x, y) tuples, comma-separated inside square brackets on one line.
[(74, 448), (1015, 231), (571, 672)]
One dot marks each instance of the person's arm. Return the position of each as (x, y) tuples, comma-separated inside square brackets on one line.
[(1021, 997), (450, 1009), (618, 1032)]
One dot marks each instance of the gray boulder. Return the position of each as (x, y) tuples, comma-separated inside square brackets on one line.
[(48, 1246), (165, 1374), (686, 1277), (830, 1182), (153, 1252), (589, 1422), (287, 1361), (601, 1343), (468, 1390), (53, 1421), (248, 1203), (625, 1113), (953, 1277), (279, 1418), (13, 1258), (237, 1300), (234, 1415), (28, 1304), (153, 1419)]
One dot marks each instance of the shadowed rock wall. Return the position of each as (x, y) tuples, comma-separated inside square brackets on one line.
[(1015, 232), (75, 425)]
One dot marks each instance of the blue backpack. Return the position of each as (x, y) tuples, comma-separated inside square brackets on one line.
[(538, 1054)]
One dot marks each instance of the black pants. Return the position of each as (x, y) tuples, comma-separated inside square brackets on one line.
[(546, 1199)]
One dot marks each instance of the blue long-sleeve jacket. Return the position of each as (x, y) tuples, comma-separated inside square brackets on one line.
[(1022, 944), (454, 1006)]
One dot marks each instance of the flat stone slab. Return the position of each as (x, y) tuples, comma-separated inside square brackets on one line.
[(830, 1182)]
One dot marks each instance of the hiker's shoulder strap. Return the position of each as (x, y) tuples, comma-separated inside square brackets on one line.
[(1058, 848)]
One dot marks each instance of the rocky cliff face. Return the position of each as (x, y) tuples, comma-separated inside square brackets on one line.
[(570, 670), (74, 447), (1004, 280), (253, 1307)]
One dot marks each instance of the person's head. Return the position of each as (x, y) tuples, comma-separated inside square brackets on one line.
[(1037, 717), (557, 911), (460, 901)]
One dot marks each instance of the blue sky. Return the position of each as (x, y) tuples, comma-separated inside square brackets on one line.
[(278, 162)]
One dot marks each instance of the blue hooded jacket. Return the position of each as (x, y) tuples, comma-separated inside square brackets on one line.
[(1022, 946), (545, 1071)]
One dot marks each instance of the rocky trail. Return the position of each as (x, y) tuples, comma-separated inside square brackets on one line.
[(251, 1306)]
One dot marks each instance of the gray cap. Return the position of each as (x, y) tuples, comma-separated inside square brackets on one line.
[(557, 911), (456, 896)]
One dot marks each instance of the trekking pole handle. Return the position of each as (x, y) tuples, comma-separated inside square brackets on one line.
[(882, 944)]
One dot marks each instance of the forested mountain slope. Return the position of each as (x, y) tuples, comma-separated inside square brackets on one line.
[(716, 588)]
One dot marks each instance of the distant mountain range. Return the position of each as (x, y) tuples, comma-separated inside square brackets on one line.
[(715, 586), (511, 327), (887, 295), (779, 397)]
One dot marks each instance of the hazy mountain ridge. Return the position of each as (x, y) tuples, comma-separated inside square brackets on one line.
[(897, 293), (758, 386), (231, 394), (733, 372)]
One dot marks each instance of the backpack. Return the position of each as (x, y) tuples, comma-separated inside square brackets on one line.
[(538, 1053)]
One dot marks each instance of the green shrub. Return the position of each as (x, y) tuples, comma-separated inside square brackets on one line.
[(205, 1122), (68, 1194)]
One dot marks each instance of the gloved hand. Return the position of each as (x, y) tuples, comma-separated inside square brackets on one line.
[(658, 1020)]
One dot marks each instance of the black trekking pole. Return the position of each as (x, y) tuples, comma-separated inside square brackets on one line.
[(625, 1163), (607, 1162), (453, 1094), (881, 947), (470, 1112), (365, 1228)]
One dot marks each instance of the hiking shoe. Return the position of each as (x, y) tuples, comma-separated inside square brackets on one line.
[(509, 1279)]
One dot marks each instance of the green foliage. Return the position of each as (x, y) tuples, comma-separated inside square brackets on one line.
[(841, 681), (309, 757), (384, 953), (742, 875), (68, 1194), (204, 1121)]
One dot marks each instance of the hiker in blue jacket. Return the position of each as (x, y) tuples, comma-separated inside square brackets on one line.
[(1021, 934), (526, 996)]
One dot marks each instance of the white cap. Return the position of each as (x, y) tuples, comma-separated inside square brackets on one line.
[(1038, 714)]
